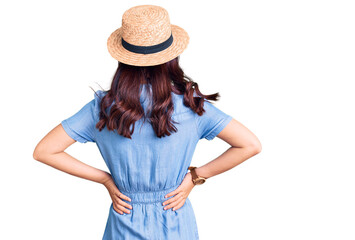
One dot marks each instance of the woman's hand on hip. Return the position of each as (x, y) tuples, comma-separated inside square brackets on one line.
[(181, 193), (119, 205)]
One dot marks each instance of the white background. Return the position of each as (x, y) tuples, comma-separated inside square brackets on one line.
[(284, 69)]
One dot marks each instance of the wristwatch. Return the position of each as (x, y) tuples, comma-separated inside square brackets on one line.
[(197, 180)]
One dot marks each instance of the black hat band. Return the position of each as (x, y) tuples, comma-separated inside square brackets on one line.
[(148, 49)]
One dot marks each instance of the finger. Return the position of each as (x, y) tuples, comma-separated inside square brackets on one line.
[(117, 210), (121, 195), (122, 208), (172, 193), (170, 200), (173, 204), (123, 203), (118, 199), (179, 205)]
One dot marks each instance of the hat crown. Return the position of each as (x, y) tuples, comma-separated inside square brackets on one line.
[(146, 25)]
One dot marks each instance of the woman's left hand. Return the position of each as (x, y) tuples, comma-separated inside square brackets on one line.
[(181, 193)]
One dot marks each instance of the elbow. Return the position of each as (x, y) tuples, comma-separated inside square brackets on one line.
[(255, 147), (258, 147), (37, 153)]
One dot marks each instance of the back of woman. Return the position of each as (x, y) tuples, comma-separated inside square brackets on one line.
[(146, 167), (146, 127)]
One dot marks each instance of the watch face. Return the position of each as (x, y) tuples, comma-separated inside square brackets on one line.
[(200, 181)]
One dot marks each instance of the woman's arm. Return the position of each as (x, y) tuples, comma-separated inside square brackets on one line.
[(50, 150), (244, 145)]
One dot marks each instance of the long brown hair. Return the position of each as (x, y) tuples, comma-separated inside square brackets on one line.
[(164, 79)]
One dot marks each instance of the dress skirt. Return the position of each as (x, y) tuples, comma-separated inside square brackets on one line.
[(148, 220)]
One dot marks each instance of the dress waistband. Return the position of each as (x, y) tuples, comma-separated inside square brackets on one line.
[(149, 196)]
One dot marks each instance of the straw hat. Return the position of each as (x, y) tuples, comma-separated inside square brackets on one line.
[(146, 37)]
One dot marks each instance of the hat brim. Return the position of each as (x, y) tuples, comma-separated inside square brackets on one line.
[(118, 52)]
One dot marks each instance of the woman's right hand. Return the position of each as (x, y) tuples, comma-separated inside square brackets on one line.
[(118, 204)]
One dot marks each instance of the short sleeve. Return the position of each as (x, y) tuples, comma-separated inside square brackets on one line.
[(212, 121), (81, 125)]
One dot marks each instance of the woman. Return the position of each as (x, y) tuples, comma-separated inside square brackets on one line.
[(146, 128)]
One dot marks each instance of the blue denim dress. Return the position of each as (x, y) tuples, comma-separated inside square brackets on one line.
[(146, 168)]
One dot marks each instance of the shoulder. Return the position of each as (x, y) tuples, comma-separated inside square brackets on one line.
[(99, 94), (96, 101), (179, 107)]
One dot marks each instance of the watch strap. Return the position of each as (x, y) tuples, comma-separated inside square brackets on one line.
[(193, 173)]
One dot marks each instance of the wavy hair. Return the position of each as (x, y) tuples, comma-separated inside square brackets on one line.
[(164, 79)]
